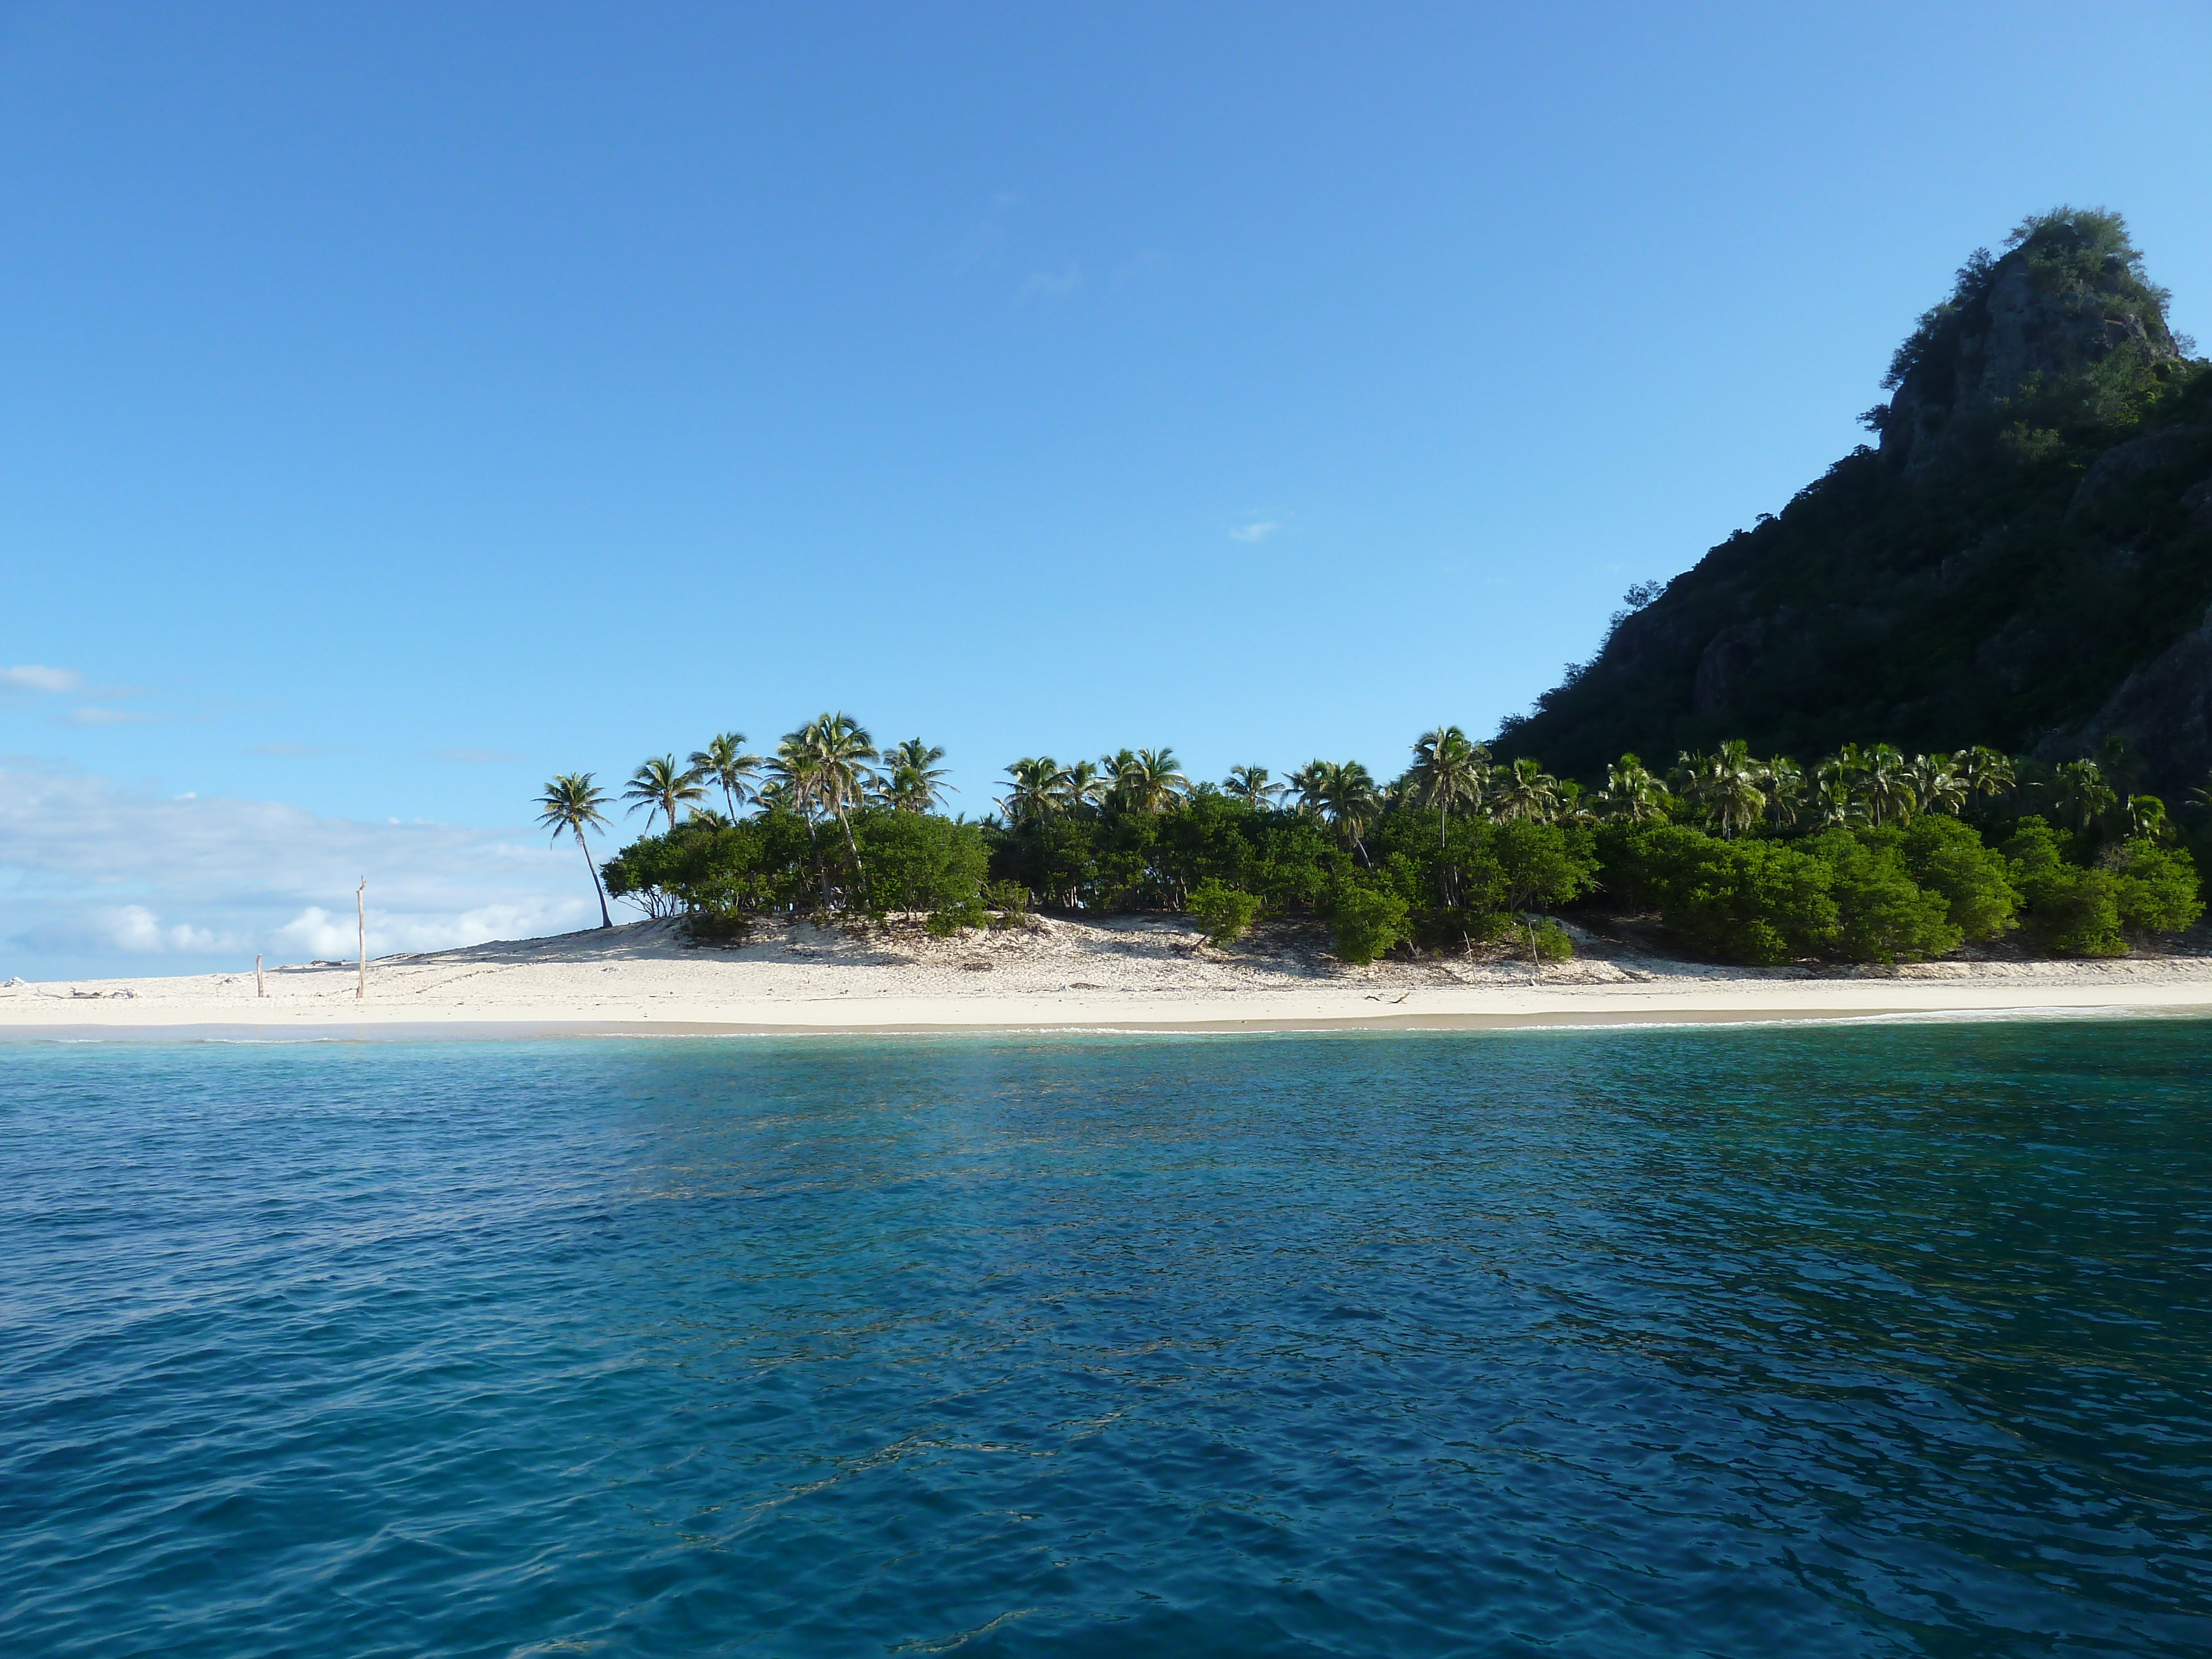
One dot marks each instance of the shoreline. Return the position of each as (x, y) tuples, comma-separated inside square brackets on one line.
[(1117, 976)]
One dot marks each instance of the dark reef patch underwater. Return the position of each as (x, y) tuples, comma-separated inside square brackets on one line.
[(1885, 1340)]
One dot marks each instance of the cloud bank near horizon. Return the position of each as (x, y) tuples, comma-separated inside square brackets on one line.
[(98, 879)]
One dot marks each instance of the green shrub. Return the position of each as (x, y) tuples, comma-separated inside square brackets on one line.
[(1882, 913), (1224, 913), (1544, 940), (948, 920), (2158, 891), (2071, 910), (918, 861), (1366, 921), (1947, 858), (1752, 901)]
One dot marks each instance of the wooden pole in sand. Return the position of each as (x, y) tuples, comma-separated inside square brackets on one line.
[(360, 914), (260, 989)]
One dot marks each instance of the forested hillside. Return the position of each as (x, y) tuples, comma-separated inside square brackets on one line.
[(2024, 558)]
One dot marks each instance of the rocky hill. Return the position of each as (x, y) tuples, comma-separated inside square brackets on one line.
[(2023, 559)]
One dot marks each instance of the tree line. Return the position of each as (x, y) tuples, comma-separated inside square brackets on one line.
[(1865, 854)]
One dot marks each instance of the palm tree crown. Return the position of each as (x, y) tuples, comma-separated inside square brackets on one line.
[(1249, 784), (724, 761), (1631, 791), (1528, 792), (913, 781), (1449, 771), (571, 803), (1145, 779), (661, 786), (1034, 795)]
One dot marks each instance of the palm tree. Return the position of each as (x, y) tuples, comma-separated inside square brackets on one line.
[(2201, 797), (1308, 788), (2147, 816), (1886, 782), (1837, 781), (571, 803), (1785, 782), (1631, 791), (1081, 788), (1449, 771), (914, 778), (1034, 795), (1984, 771), (660, 786), (826, 761), (1938, 783), (1725, 785), (2081, 794), (724, 761), (1528, 791), (1249, 785), (1834, 805), (1346, 795), (1146, 780)]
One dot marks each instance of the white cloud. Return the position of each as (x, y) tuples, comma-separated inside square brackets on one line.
[(89, 714), (91, 872), (135, 928), (30, 676), (1258, 531), (1053, 285)]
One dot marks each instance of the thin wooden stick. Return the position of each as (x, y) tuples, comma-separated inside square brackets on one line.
[(360, 914), (260, 989)]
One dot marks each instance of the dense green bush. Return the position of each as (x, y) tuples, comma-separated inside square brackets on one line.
[(1947, 857), (1224, 913), (1760, 902), (2158, 886), (1365, 921), (2071, 910), (1882, 913), (917, 861)]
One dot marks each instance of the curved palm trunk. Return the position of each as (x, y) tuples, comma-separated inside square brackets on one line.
[(853, 847), (605, 921), (821, 870)]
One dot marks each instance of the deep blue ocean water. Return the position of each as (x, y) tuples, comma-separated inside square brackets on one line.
[(1798, 1342)]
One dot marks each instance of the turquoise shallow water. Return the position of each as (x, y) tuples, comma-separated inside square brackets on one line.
[(1885, 1340)]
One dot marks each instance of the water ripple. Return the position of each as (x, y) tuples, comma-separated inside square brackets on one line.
[(1891, 1339)]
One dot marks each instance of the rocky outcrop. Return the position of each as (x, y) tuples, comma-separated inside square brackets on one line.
[(2040, 319), (2164, 709), (2026, 560), (2188, 448)]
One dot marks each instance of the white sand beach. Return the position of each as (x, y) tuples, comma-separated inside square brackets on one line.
[(1126, 973)]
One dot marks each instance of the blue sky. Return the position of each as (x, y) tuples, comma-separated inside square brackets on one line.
[(400, 404)]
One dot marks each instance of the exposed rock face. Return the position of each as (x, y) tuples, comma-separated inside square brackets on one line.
[(2026, 562), (2022, 329), (2164, 707)]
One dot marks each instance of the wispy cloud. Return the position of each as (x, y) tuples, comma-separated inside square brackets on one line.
[(1258, 531), (985, 245), (98, 878), (32, 677), (1050, 284), (96, 715)]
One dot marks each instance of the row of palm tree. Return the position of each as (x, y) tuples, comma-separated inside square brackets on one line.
[(1451, 773), (827, 769), (1876, 786)]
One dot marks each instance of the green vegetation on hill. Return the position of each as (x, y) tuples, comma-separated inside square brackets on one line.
[(2025, 559), (1866, 855)]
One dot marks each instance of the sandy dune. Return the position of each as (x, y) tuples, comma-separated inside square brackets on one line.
[(1138, 973)]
